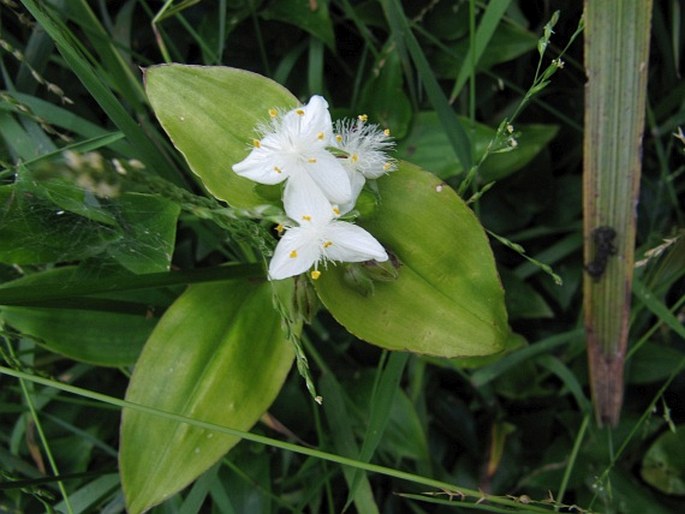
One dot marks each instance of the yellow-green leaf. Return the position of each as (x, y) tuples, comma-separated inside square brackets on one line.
[(211, 114), (217, 355), (447, 299)]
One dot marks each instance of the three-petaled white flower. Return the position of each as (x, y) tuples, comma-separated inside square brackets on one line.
[(324, 176), (319, 237), (365, 150), (294, 147)]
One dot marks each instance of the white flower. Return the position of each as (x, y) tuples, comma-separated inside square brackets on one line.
[(366, 147), (320, 237), (293, 147)]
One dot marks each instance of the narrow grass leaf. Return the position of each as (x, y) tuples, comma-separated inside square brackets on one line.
[(494, 11), (617, 39), (343, 439), (82, 66), (275, 443), (382, 402), (658, 308), (60, 117), (77, 285), (118, 71), (87, 497), (457, 134)]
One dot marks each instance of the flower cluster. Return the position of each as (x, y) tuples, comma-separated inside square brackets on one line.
[(324, 167)]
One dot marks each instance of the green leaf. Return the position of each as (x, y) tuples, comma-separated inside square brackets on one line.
[(151, 232), (35, 230), (652, 363), (311, 17), (522, 300), (487, 28), (211, 114), (218, 355), (54, 220), (507, 43), (428, 147), (447, 299), (84, 331), (663, 466), (383, 97), (102, 338)]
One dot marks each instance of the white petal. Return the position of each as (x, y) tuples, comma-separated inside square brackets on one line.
[(295, 253), (309, 126), (317, 119), (304, 201), (357, 182), (351, 243), (261, 166), (331, 177)]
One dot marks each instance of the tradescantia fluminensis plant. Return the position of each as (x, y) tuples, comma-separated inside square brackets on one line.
[(403, 264)]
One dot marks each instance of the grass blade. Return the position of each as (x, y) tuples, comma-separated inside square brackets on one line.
[(457, 134), (616, 53)]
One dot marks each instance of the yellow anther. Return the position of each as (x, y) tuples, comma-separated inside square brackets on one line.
[(280, 228), (363, 118), (338, 138), (277, 169), (311, 160), (256, 143), (387, 166), (307, 217), (327, 244), (273, 112), (386, 132), (299, 112), (354, 157), (293, 254), (336, 211), (315, 274), (320, 136)]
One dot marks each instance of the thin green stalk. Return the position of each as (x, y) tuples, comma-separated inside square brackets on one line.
[(43, 439), (580, 437), (479, 496), (472, 57), (259, 38)]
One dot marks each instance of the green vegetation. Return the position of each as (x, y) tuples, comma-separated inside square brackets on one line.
[(146, 361)]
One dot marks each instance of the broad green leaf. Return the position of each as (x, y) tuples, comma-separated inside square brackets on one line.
[(663, 466), (428, 147), (219, 355), (211, 114), (312, 17), (447, 299)]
